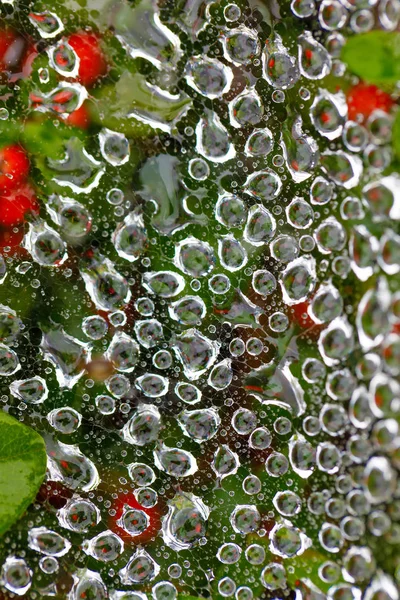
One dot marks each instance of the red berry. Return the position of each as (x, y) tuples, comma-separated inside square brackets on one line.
[(92, 63), (30, 55), (17, 54), (14, 168), (79, 118), (54, 494), (301, 316), (363, 99), (12, 239), (12, 48), (16, 204), (152, 513)]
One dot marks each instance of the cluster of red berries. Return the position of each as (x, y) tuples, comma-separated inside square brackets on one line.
[(363, 99), (17, 197)]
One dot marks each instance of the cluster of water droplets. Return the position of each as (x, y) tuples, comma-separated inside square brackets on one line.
[(225, 421)]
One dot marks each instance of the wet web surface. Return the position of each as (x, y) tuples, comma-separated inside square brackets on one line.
[(200, 305)]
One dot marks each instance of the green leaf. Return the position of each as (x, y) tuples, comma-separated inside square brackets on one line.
[(396, 135), (374, 56), (305, 568), (10, 132), (132, 103), (22, 468), (46, 138)]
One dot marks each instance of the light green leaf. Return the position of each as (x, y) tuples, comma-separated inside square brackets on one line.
[(47, 138), (374, 56), (134, 107), (22, 468)]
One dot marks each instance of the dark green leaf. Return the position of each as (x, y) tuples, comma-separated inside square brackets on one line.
[(184, 597), (10, 132), (396, 136), (22, 468)]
